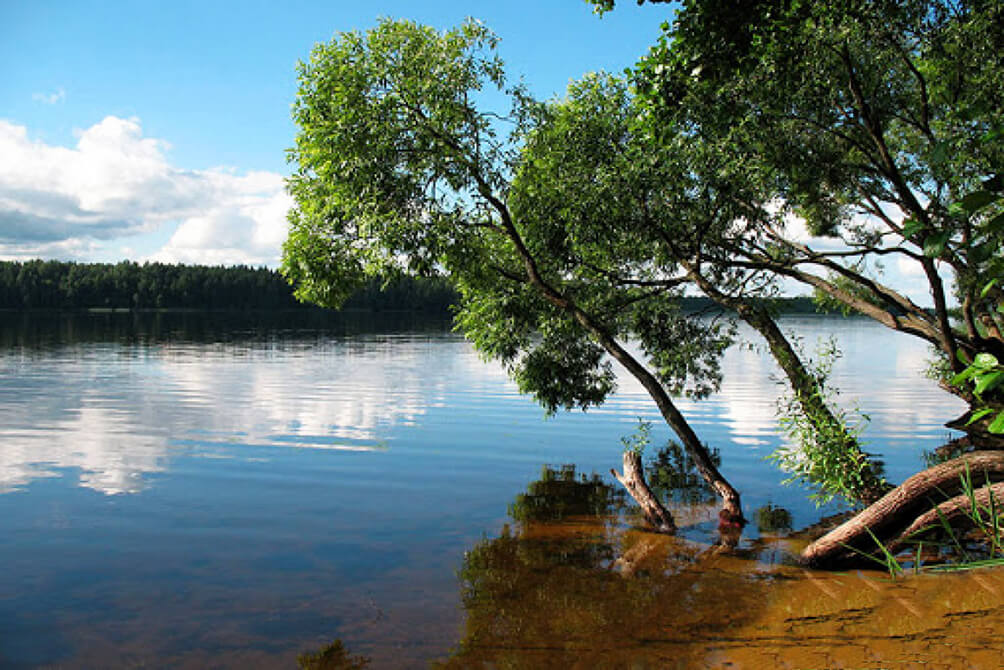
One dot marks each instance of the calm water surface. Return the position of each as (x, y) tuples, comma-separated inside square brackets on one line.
[(209, 491)]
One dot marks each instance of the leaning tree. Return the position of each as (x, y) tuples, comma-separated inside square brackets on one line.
[(878, 124), (598, 168), (399, 169)]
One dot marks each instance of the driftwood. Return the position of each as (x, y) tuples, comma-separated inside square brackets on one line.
[(951, 511), (633, 480), (904, 510)]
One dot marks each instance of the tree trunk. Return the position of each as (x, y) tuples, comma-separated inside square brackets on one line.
[(891, 517), (813, 405), (633, 480), (804, 386), (731, 506)]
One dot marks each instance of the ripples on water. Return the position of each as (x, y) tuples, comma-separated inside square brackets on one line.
[(184, 490)]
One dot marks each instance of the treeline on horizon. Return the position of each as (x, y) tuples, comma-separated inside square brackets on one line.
[(50, 284)]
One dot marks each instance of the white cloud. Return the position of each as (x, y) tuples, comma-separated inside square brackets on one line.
[(909, 267), (903, 273), (69, 202), (249, 227), (50, 98)]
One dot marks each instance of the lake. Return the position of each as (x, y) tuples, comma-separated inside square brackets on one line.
[(211, 490)]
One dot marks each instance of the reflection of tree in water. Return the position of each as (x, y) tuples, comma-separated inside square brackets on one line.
[(772, 519), (560, 493), (332, 657), (673, 477), (590, 593), (44, 330), (948, 451)]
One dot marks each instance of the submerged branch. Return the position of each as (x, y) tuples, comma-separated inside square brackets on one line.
[(633, 479), (892, 515)]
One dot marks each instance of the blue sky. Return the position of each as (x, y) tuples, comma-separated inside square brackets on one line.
[(158, 130)]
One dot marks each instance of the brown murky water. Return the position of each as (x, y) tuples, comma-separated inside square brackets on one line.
[(588, 594)]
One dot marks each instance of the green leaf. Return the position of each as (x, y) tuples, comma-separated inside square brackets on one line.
[(989, 381), (940, 153), (981, 253), (996, 224), (994, 134), (934, 245), (979, 415), (986, 289), (963, 376), (977, 200), (911, 227), (997, 426), (985, 361)]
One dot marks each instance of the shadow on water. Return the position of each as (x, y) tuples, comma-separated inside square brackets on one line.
[(569, 583)]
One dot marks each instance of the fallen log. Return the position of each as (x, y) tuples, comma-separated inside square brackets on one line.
[(893, 514), (950, 511)]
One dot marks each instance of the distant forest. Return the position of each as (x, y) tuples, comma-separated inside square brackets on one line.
[(42, 284)]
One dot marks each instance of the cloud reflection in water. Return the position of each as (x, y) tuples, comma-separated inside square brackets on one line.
[(119, 416)]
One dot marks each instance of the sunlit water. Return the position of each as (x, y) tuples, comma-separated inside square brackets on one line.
[(194, 491)]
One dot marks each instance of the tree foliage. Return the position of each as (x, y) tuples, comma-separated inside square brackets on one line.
[(573, 226), (869, 120), (550, 220), (435, 185), (817, 455), (983, 375), (877, 124)]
